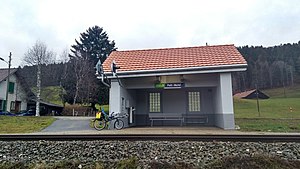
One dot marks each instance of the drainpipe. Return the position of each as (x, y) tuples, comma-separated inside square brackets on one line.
[(100, 73), (103, 82), (9, 63)]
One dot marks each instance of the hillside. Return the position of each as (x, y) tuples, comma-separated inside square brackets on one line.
[(51, 94), (288, 92), (269, 67)]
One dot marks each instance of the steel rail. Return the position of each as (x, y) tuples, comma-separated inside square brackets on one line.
[(157, 137)]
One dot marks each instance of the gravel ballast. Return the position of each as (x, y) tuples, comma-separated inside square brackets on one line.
[(196, 153)]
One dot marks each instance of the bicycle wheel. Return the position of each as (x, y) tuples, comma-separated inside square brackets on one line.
[(119, 124), (99, 124)]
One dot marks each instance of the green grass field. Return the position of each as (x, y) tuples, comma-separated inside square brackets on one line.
[(269, 108), (288, 92), (15, 124), (268, 125), (280, 113)]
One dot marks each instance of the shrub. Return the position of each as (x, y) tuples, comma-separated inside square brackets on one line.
[(130, 163), (165, 165), (255, 161), (13, 165), (78, 110)]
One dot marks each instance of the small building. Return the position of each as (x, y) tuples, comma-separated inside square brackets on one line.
[(17, 91), (251, 94), (46, 108), (176, 86)]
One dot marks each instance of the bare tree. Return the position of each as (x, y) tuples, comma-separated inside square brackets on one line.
[(82, 68), (64, 56), (38, 55)]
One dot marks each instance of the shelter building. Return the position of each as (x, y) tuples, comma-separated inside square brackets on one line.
[(175, 86)]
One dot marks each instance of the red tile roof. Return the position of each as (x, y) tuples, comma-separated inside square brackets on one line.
[(251, 94), (172, 58), (244, 94)]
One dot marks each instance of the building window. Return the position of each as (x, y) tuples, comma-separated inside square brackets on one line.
[(194, 101), (11, 87), (12, 106), (154, 102)]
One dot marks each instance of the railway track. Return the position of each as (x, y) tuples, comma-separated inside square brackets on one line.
[(156, 137)]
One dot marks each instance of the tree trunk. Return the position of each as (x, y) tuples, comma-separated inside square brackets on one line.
[(244, 82), (292, 76), (77, 71), (38, 93), (270, 76), (76, 92)]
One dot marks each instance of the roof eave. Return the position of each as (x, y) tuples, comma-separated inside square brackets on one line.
[(175, 71), (12, 71)]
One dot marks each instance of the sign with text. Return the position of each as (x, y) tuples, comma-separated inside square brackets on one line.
[(169, 85)]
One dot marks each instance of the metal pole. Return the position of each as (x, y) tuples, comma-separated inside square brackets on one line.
[(9, 61), (257, 101)]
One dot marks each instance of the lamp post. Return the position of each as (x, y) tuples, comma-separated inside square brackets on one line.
[(9, 63)]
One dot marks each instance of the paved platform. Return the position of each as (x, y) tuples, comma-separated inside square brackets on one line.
[(146, 130), (165, 131), (80, 125), (69, 124)]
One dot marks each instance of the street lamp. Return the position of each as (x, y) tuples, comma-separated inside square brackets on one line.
[(9, 61)]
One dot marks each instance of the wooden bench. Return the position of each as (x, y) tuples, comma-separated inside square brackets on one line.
[(195, 119), (165, 117)]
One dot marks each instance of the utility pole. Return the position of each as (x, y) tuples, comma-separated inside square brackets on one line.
[(6, 98), (257, 100)]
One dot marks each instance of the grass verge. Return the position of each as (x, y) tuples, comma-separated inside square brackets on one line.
[(20, 124), (130, 163), (268, 125), (231, 162)]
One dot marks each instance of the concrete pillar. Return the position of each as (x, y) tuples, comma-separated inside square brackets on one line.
[(224, 103), (114, 99)]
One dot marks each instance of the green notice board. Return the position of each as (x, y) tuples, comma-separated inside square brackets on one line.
[(159, 85), (168, 85)]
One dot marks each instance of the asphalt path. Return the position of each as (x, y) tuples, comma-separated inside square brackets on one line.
[(66, 123)]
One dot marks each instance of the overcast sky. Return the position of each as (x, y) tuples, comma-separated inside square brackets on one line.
[(141, 24)]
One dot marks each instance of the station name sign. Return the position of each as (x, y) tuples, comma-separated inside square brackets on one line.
[(169, 85)]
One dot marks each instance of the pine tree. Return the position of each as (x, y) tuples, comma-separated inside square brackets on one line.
[(94, 44)]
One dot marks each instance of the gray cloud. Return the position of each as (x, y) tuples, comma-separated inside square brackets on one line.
[(135, 24)]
